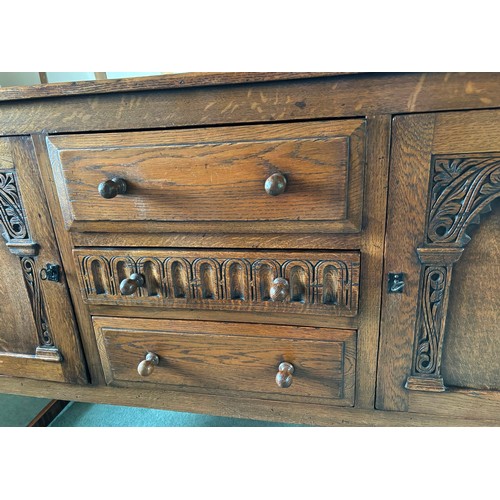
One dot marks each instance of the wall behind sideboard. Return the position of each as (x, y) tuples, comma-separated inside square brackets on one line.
[(33, 78)]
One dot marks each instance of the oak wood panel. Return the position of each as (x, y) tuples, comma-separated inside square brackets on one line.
[(159, 82), (277, 318), (469, 131), (59, 312), (17, 327), (372, 251), (320, 284), (217, 240), (30, 366), (233, 406), (65, 247), (458, 174), (410, 155), (231, 357), (201, 179), (471, 350), (342, 96), (6, 161), (457, 403)]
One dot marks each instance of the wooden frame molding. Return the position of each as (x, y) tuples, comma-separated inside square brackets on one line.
[(461, 190)]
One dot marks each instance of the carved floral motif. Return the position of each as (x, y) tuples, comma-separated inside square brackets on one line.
[(11, 210), (461, 189)]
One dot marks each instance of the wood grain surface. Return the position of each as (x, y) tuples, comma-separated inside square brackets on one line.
[(407, 205), (158, 82), (214, 178), (60, 317), (231, 357), (471, 350), (262, 409), (338, 97), (444, 172)]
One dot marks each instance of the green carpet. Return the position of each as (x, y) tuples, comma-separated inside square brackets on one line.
[(18, 411)]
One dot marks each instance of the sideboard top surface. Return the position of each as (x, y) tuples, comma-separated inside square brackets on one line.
[(159, 82)]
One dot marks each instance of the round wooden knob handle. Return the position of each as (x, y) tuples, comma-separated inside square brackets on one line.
[(284, 377), (130, 285), (280, 290), (147, 365), (275, 184), (112, 187)]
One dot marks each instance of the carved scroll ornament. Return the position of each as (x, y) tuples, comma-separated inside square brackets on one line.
[(461, 190)]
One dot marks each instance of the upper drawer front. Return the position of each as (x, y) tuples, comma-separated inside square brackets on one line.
[(315, 283), (214, 357), (214, 179)]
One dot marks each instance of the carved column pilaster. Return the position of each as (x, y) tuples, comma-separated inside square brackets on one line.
[(461, 190)]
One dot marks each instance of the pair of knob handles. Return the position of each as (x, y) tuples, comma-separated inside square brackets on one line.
[(279, 292), (284, 377), (274, 186)]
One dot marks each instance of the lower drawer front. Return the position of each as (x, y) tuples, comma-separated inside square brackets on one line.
[(219, 357)]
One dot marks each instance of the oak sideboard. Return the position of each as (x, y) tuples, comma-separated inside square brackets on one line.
[(315, 248)]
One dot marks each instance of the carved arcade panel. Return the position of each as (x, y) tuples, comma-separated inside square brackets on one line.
[(318, 283)]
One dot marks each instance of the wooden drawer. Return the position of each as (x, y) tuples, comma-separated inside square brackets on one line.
[(219, 357), (312, 283), (213, 179)]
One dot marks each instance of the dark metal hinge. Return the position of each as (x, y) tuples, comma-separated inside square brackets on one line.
[(396, 282), (51, 272)]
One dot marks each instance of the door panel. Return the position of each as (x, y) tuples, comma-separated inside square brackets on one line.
[(38, 333), (445, 179), (471, 352)]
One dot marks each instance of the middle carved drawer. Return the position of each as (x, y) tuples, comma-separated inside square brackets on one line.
[(311, 283)]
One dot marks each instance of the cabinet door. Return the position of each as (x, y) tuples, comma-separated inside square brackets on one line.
[(38, 333), (440, 331)]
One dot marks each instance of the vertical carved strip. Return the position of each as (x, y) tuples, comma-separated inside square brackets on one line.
[(332, 283), (430, 329), (178, 272), (264, 272), (206, 280), (31, 277), (121, 268), (236, 273), (152, 270), (300, 276), (95, 270)]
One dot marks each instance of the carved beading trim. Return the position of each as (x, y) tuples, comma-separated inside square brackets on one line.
[(461, 190), (225, 280)]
